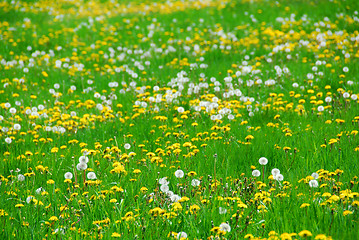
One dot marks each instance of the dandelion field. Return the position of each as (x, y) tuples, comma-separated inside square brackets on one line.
[(179, 119)]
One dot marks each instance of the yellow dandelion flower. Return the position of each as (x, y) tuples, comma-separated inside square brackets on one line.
[(305, 233)]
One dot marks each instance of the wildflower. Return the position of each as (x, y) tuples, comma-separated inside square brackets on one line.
[(313, 183), (315, 175), (304, 205), (305, 233), (83, 159), (347, 212), (68, 175), (17, 126), (175, 198), (222, 210), (320, 108), (91, 175), (328, 99), (263, 161), (39, 190), (195, 182), (12, 110), (20, 177), (53, 219), (278, 177), (8, 140), (115, 234), (179, 173), (181, 235), (81, 166), (180, 109), (144, 189), (163, 181), (50, 181), (127, 146), (256, 173), (225, 227), (275, 171), (164, 188), (29, 198)]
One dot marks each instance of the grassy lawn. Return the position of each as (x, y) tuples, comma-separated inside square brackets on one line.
[(179, 119)]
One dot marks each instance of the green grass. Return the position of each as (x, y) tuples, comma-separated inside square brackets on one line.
[(171, 48)]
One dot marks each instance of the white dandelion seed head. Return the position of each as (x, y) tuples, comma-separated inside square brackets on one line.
[(180, 109), (127, 146), (263, 161), (222, 210), (68, 175), (225, 227), (169, 194), (164, 188), (181, 235), (81, 166), (39, 190), (320, 108), (315, 175), (8, 140), (12, 110), (328, 99), (256, 173), (91, 175), (313, 183), (278, 177), (17, 126), (175, 198), (83, 159), (29, 198), (163, 181), (179, 173), (275, 171), (195, 182), (20, 177)]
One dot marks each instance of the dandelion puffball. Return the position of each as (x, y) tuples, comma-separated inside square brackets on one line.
[(315, 175), (81, 166), (17, 126), (83, 159), (163, 181), (127, 146), (225, 227), (179, 173), (195, 182), (175, 198), (68, 175), (20, 177), (313, 183), (263, 161), (181, 235), (180, 109), (278, 177), (91, 175), (164, 188), (256, 173), (275, 171), (222, 210)]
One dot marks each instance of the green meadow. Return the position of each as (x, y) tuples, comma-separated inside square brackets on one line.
[(199, 119)]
